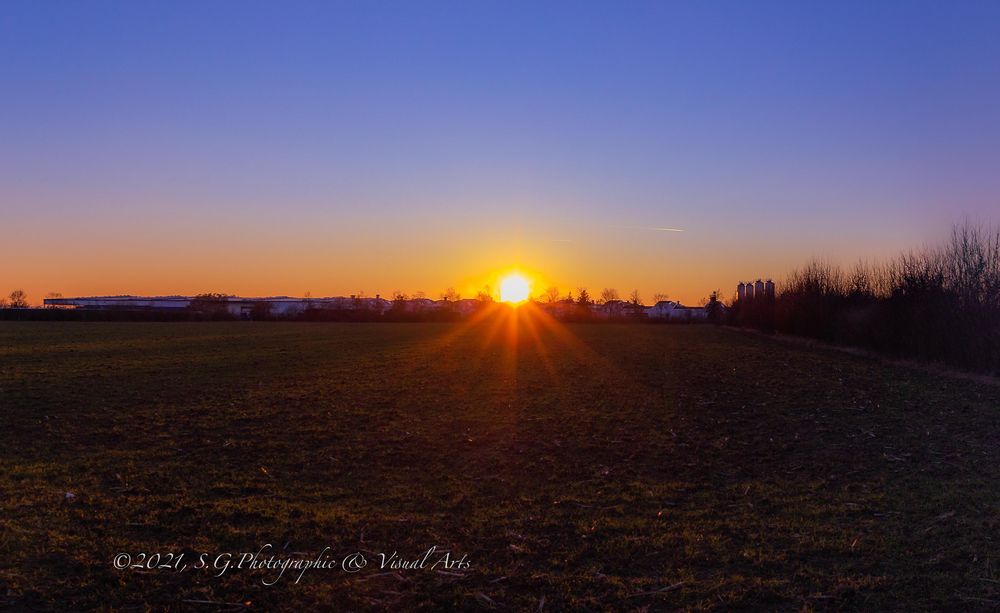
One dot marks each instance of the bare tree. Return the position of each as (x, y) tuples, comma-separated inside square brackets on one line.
[(419, 294), (660, 297), (398, 301), (935, 303), (608, 295), (18, 299), (552, 294), (635, 298), (450, 295), (485, 294), (861, 281)]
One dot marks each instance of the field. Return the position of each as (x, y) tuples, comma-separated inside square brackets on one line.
[(576, 467)]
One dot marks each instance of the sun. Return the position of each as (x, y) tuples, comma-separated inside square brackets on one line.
[(514, 289)]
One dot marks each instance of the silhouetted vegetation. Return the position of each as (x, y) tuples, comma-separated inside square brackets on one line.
[(937, 304), (716, 311), (17, 299), (211, 306), (145, 315), (485, 295)]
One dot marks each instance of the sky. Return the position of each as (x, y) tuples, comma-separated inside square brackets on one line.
[(343, 147)]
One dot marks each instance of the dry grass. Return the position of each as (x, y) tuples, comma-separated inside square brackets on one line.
[(580, 467)]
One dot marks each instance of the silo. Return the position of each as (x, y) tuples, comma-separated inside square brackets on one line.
[(758, 289), (741, 291), (769, 289), (749, 291)]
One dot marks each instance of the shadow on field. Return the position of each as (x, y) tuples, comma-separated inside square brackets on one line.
[(575, 466)]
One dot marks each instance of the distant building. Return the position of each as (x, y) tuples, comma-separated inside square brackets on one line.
[(279, 306), (612, 309), (466, 306), (123, 302), (422, 305), (668, 310), (560, 308), (289, 307), (750, 291)]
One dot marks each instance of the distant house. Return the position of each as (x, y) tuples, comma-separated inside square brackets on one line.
[(612, 309), (422, 305), (630, 310), (466, 306), (618, 309), (668, 310), (378, 304), (560, 309)]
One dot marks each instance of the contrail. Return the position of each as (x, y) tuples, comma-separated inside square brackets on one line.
[(653, 228)]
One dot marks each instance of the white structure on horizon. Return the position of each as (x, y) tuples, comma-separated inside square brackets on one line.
[(754, 289), (235, 305), (670, 310)]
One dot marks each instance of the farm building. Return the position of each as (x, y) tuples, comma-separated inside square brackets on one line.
[(618, 309), (668, 310), (752, 290)]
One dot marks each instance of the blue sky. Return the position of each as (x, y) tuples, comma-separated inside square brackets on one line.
[(445, 140)]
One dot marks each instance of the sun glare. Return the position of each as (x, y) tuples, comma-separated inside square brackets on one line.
[(514, 289)]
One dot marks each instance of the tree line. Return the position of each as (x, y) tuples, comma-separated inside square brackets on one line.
[(939, 304)]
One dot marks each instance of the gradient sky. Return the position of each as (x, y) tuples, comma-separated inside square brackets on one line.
[(278, 148)]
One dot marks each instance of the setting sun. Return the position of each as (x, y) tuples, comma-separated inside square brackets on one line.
[(514, 289)]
